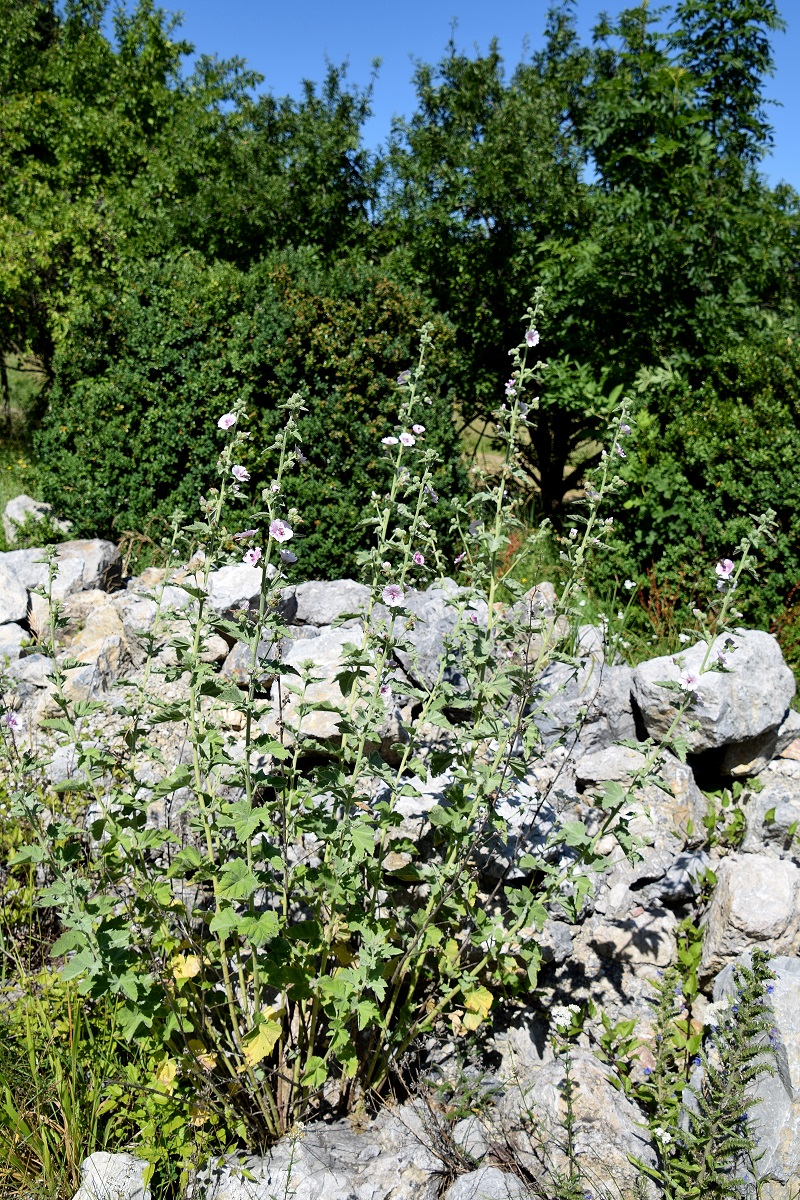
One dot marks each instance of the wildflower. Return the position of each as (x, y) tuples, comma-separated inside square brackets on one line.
[(532, 338), (770, 989), (240, 473), (244, 535), (620, 451), (301, 458), (389, 441), (226, 420), (385, 693), (407, 439), (275, 486), (460, 557), (386, 566), (690, 682), (721, 659), (662, 1135), (418, 429), (251, 557), (562, 1014), (431, 494), (287, 556), (683, 637), (511, 388), (648, 1071), (10, 720), (624, 429), (724, 569), (280, 531), (403, 377), (419, 559), (393, 595), (474, 618)]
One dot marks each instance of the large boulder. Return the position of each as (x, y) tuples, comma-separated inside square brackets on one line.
[(12, 639), (740, 689), (13, 596), (107, 1176), (83, 564), (487, 1183), (754, 903), (585, 706), (773, 818), (21, 509), (321, 602)]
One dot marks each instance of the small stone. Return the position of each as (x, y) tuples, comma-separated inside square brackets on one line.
[(487, 1183), (754, 903)]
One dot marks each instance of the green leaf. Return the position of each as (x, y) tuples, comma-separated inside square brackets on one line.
[(236, 881)]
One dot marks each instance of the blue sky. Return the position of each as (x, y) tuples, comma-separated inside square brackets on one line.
[(287, 42)]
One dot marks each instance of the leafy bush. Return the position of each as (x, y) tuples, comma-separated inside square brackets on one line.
[(704, 461), (128, 435)]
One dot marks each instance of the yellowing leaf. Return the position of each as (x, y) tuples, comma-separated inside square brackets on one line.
[(260, 1043), (477, 1003), (167, 1074), (186, 966)]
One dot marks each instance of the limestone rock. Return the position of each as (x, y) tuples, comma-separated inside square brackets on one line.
[(752, 756), (320, 602), (644, 937), (731, 706), (587, 707), (754, 902), (470, 1135), (107, 1176), (13, 595), (83, 564), (614, 763), (235, 586), (780, 801), (20, 508), (12, 637), (487, 1183)]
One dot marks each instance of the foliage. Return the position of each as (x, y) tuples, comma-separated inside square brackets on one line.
[(128, 435), (301, 940)]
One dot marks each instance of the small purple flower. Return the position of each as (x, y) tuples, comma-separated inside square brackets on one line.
[(385, 693), (251, 557), (301, 458), (770, 989), (418, 429), (240, 474), (460, 557), (393, 595), (280, 531), (407, 439), (511, 387), (473, 618), (532, 338), (724, 569), (648, 1071), (624, 429), (244, 535), (226, 420), (620, 451), (389, 441), (403, 377), (431, 494), (690, 682), (11, 720), (287, 556), (419, 559)]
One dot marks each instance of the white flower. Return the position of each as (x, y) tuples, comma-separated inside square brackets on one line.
[(407, 439), (280, 531)]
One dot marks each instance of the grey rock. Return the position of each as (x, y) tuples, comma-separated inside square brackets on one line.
[(13, 596), (487, 1183), (780, 799), (235, 587), (731, 706), (433, 621), (470, 1135), (586, 707), (107, 1176), (320, 602), (754, 902), (614, 763), (752, 756), (682, 881), (12, 637), (83, 564), (555, 942), (776, 1116), (645, 937), (389, 1160), (20, 508), (32, 670)]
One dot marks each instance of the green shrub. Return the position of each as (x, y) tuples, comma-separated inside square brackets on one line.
[(704, 461), (130, 433)]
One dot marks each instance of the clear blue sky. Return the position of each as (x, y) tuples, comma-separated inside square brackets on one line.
[(290, 41)]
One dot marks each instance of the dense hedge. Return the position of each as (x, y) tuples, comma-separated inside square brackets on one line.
[(130, 431), (703, 463)]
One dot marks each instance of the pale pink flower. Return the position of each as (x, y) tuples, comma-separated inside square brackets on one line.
[(460, 557), (389, 441), (511, 388), (418, 428), (11, 720), (474, 618), (251, 557), (620, 451), (287, 556), (280, 531), (419, 559), (275, 486), (690, 682), (407, 439), (725, 568), (386, 566), (624, 429), (240, 474), (393, 595), (385, 693), (244, 535), (403, 377), (532, 338), (226, 420)]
